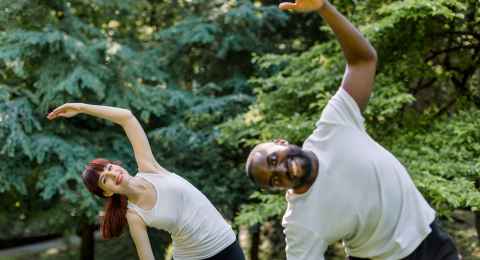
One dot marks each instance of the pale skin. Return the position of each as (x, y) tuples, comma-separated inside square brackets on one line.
[(115, 179), (357, 80)]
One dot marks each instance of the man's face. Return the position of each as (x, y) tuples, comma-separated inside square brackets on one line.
[(279, 165)]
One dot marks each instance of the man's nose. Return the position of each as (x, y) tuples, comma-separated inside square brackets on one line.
[(281, 168)]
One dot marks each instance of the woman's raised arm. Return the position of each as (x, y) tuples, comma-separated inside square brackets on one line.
[(135, 133)]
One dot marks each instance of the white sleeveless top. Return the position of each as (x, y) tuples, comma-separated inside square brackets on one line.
[(197, 229)]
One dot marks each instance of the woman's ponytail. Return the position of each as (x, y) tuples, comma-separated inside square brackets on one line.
[(115, 218)]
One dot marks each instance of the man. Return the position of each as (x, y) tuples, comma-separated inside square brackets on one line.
[(342, 185)]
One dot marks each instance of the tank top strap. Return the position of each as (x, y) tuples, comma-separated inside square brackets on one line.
[(130, 205), (139, 211), (145, 214)]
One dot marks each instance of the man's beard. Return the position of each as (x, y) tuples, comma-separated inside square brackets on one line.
[(295, 152)]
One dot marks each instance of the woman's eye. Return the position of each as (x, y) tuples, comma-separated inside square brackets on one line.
[(109, 168)]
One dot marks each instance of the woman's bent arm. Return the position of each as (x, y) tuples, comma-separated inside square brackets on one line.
[(138, 232), (141, 147), (136, 135), (115, 114)]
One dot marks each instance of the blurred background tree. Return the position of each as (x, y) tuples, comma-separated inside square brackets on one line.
[(210, 79)]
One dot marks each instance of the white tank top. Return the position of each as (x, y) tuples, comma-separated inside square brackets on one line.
[(197, 229)]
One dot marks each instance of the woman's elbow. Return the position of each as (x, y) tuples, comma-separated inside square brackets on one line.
[(125, 116)]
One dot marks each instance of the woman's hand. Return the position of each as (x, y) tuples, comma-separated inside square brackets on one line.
[(303, 5), (66, 110)]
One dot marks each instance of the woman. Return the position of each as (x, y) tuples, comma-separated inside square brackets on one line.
[(154, 197)]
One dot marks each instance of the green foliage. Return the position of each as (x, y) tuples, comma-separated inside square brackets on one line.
[(424, 107), (182, 67), (210, 79), (270, 206), (443, 159)]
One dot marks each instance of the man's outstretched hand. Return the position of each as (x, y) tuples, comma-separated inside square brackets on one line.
[(303, 5)]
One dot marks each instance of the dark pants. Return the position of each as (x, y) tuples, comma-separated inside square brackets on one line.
[(436, 246), (232, 252)]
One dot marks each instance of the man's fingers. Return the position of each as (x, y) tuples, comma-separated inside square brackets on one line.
[(287, 6)]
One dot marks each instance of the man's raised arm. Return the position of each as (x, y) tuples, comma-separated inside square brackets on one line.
[(360, 55)]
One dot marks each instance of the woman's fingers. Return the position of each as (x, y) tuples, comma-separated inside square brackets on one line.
[(57, 111), (65, 110), (66, 114), (61, 108), (53, 115)]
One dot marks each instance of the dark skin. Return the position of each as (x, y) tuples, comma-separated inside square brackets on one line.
[(273, 168)]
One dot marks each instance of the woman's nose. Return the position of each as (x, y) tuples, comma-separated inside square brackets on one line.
[(110, 174)]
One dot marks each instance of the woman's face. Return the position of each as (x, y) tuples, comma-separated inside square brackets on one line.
[(113, 179)]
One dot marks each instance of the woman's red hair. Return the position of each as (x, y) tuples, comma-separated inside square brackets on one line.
[(115, 207)]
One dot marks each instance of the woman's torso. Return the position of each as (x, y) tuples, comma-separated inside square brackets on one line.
[(197, 229)]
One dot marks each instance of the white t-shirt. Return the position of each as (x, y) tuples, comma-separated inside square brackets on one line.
[(362, 195), (197, 229)]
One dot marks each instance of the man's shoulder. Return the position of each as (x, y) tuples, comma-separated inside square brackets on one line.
[(341, 110), (328, 138)]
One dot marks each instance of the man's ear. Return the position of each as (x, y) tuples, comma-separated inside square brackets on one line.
[(281, 141)]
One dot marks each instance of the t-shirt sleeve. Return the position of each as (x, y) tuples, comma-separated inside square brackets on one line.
[(342, 109), (303, 244)]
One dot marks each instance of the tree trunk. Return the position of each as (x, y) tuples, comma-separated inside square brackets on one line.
[(277, 240), (477, 224), (255, 241), (87, 247), (477, 212)]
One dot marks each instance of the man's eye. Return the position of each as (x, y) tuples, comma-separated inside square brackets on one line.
[(273, 159)]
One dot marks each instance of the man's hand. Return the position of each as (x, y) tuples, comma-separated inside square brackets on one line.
[(67, 110), (303, 5)]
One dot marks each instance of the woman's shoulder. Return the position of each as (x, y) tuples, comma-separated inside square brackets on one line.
[(154, 173), (163, 180)]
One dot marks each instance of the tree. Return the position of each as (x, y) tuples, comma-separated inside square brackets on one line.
[(424, 107), (181, 67)]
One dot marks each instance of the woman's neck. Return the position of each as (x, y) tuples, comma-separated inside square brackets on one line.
[(136, 189)]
